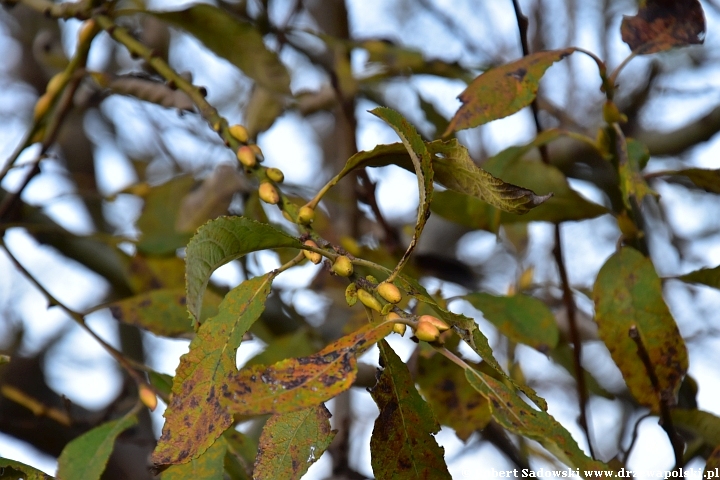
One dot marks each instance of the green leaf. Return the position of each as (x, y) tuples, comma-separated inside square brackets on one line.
[(161, 381), (513, 414), (218, 242), (661, 25), (297, 344), (503, 90), (195, 419), (703, 424), (455, 169), (468, 330), (291, 442), (87, 455), (465, 210), (241, 453), (708, 180), (158, 235), (13, 470), (162, 312), (521, 318), (298, 383), (235, 40), (632, 183), (208, 466), (423, 170), (706, 276), (627, 294), (454, 402), (402, 445)]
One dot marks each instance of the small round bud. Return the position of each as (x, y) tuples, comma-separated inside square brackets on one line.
[(369, 300), (287, 216), (246, 156), (268, 193), (147, 397), (343, 266), (275, 174), (314, 257), (351, 294), (427, 332), (55, 83), (400, 328), (306, 215), (434, 321), (239, 132), (389, 292)]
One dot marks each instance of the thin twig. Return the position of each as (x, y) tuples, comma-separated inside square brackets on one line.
[(664, 398), (568, 299)]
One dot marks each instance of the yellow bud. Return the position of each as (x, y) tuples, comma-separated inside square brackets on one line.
[(400, 328), (389, 292), (87, 30), (611, 113), (314, 257), (147, 397), (343, 266), (306, 215), (275, 174), (239, 132), (42, 106), (434, 321), (55, 83), (246, 156), (258, 153), (287, 216), (268, 193), (351, 245), (369, 300), (427, 332)]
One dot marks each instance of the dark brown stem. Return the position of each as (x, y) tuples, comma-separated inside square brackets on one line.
[(664, 398), (568, 299)]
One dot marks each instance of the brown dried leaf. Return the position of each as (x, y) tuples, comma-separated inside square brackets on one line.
[(664, 24)]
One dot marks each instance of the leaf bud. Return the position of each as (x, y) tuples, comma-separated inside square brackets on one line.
[(147, 397), (275, 174), (306, 215), (246, 156), (612, 114), (314, 257), (239, 132), (42, 106), (389, 292), (55, 83), (434, 321), (369, 300), (427, 332), (342, 266), (400, 328), (268, 193)]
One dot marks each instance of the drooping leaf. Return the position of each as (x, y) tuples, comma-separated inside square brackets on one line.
[(195, 419), (162, 312), (297, 344), (465, 210), (209, 465), (291, 442), (237, 41), (703, 424), (161, 381), (513, 414), (627, 294), (664, 24), (706, 276), (240, 456), (298, 383), (218, 242), (454, 402), (402, 445), (13, 470), (401, 60), (262, 109), (423, 170), (521, 318), (708, 180), (468, 330), (455, 169), (503, 90), (87, 455), (632, 183), (158, 235)]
